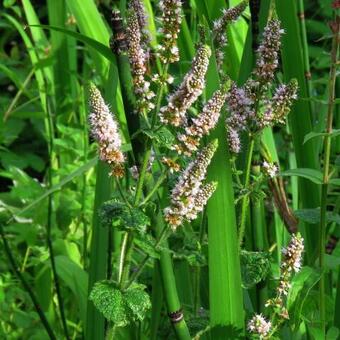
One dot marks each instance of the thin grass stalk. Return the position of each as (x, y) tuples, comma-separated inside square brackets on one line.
[(26, 285), (245, 199), (49, 226), (305, 47), (300, 117), (326, 164)]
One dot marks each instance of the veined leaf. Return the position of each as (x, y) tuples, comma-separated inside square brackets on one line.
[(312, 174), (309, 136)]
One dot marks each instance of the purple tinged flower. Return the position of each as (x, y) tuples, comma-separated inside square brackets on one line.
[(220, 26), (138, 59), (268, 52), (259, 325), (202, 124), (174, 113), (171, 24), (280, 104), (105, 130), (139, 9), (189, 195)]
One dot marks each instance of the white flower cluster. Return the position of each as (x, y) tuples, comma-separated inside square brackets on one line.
[(171, 24), (220, 25), (105, 130), (270, 169), (240, 107), (279, 106), (245, 103), (189, 195), (139, 9), (138, 59), (259, 325), (202, 124), (174, 113), (291, 263), (268, 51)]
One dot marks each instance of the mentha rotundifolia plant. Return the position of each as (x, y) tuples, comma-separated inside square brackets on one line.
[(161, 178)]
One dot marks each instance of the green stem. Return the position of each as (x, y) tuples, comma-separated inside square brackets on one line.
[(170, 289), (327, 154), (163, 235), (245, 200), (154, 189)]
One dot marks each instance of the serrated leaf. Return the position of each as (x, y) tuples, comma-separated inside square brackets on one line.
[(138, 301), (110, 302), (120, 307), (118, 214), (254, 267), (313, 175)]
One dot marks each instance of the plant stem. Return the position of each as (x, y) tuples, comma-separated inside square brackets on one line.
[(163, 235), (49, 221), (26, 286), (154, 189), (245, 200), (170, 290), (327, 153)]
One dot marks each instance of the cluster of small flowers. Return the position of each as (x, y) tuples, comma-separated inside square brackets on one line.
[(279, 106), (270, 169), (292, 258), (268, 52), (245, 102), (203, 123), (240, 107), (105, 130), (291, 263), (259, 325), (220, 26), (189, 196), (174, 113), (139, 9), (138, 60), (171, 164), (171, 24)]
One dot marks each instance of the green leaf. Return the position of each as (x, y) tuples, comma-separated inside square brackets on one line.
[(147, 244), (74, 278), (120, 307), (333, 333), (118, 214), (96, 45), (255, 267), (302, 284), (313, 134), (312, 216), (313, 175), (162, 136), (109, 301), (138, 301)]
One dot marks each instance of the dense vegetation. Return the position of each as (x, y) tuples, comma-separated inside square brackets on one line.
[(169, 169)]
